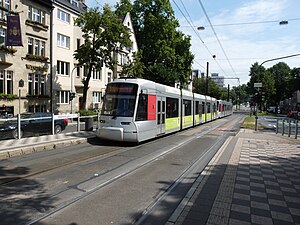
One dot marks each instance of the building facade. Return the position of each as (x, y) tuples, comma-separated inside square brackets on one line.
[(46, 61), (24, 70)]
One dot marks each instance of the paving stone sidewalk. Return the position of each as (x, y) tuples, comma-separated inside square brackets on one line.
[(259, 183)]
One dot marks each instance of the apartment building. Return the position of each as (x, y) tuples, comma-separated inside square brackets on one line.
[(24, 70), (67, 37), (44, 66)]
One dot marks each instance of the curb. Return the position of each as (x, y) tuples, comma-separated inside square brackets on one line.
[(40, 148)]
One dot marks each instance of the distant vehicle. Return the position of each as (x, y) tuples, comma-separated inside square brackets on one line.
[(294, 114), (40, 123)]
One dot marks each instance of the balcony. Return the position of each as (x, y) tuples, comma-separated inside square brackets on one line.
[(36, 24), (38, 58)]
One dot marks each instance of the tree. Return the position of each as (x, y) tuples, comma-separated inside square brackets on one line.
[(213, 90), (262, 95), (281, 73), (135, 68), (165, 54), (295, 82), (103, 34)]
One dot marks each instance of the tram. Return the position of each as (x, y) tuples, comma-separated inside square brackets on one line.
[(135, 110)]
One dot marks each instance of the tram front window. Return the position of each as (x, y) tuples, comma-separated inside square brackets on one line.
[(119, 100)]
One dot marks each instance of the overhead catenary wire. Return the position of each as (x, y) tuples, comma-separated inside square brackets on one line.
[(249, 23), (197, 34), (215, 33)]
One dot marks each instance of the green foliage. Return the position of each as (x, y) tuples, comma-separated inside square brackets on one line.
[(165, 54), (85, 112), (8, 50), (135, 68), (104, 34), (8, 97), (213, 90)]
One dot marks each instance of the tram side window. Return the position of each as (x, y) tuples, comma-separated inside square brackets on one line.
[(172, 107), (142, 113), (197, 108), (203, 107), (208, 107), (214, 108), (187, 107)]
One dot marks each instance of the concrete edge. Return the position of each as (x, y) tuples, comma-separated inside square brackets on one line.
[(40, 147), (177, 215)]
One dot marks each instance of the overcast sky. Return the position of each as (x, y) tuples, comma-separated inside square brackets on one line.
[(244, 32)]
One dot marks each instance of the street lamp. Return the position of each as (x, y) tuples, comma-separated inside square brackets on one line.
[(72, 96)]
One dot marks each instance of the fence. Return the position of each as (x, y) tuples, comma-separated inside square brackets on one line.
[(14, 126), (287, 127)]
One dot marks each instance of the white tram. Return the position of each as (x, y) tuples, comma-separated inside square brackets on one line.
[(135, 110)]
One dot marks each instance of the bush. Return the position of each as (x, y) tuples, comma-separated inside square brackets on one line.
[(84, 112)]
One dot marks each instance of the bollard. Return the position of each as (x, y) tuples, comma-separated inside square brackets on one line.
[(78, 122), (19, 126), (289, 129), (282, 127), (52, 124), (277, 126), (296, 130)]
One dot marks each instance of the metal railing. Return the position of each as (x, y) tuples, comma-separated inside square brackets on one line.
[(89, 122), (287, 127)]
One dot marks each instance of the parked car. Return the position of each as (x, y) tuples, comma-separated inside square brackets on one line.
[(294, 114), (32, 123)]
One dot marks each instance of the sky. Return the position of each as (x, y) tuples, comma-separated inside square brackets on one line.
[(238, 33)]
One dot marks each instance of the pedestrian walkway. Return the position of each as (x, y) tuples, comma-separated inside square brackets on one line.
[(15, 147), (254, 180)]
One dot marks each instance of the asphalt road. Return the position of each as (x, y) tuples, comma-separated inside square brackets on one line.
[(102, 183)]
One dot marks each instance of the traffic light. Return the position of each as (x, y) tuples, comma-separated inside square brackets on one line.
[(72, 96)]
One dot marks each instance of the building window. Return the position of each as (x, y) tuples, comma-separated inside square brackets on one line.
[(36, 15), (2, 36), (122, 59), (63, 16), (78, 69), (78, 43), (96, 74), (6, 5), (109, 77), (37, 108), (63, 97), (30, 46), (74, 2), (9, 82), (6, 82), (30, 84), (63, 68), (97, 97), (63, 41), (2, 81), (36, 47), (36, 84)]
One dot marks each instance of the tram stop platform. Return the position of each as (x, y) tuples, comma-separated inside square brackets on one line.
[(254, 180)]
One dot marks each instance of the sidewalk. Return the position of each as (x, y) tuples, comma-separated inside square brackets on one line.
[(255, 179), (15, 147)]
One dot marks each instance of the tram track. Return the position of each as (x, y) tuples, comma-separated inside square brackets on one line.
[(101, 155), (105, 179)]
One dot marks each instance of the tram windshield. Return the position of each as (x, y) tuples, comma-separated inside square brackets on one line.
[(119, 100)]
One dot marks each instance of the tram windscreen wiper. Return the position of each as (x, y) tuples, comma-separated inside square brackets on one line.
[(114, 114)]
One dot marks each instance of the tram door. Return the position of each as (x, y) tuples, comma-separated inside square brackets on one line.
[(161, 114)]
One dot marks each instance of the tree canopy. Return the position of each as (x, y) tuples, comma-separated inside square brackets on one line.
[(165, 55), (103, 33)]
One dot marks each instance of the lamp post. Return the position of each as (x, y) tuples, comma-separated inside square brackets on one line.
[(71, 89)]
